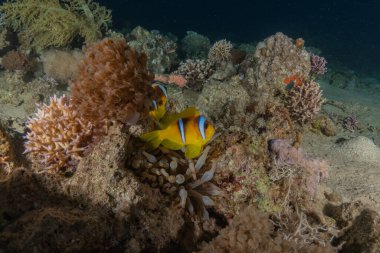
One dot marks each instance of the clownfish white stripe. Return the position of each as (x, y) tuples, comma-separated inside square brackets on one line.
[(182, 130), (155, 104), (201, 126)]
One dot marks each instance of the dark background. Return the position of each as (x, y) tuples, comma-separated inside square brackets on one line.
[(347, 32)]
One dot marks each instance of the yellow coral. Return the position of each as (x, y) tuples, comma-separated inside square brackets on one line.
[(44, 23)]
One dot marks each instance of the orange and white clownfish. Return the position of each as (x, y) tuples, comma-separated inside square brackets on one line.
[(186, 130), (159, 104)]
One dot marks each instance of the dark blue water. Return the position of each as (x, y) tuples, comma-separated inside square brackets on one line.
[(348, 32)]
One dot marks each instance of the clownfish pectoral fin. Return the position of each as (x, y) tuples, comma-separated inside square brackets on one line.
[(193, 151), (167, 120), (171, 145), (152, 138)]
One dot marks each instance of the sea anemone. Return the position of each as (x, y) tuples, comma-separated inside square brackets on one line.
[(189, 182), (220, 52), (57, 136)]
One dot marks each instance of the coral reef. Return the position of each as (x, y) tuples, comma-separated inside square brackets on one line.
[(196, 72), (304, 102), (195, 46), (159, 49), (113, 83), (251, 231), (220, 52), (313, 170), (44, 23), (16, 60), (325, 125), (318, 65), (275, 59), (61, 65), (57, 136)]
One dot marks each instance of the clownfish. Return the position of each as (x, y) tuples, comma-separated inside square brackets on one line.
[(160, 104), (186, 130)]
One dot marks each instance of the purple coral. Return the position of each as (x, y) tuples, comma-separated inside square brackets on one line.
[(318, 65), (312, 170)]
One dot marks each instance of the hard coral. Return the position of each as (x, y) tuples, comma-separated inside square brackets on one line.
[(196, 72), (6, 154), (113, 83), (220, 52), (318, 65), (304, 102), (57, 136), (16, 60), (44, 23), (159, 49)]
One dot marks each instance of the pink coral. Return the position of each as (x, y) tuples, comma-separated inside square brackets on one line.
[(314, 170), (318, 65)]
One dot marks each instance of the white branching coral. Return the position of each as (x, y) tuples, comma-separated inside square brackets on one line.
[(57, 136), (189, 182), (304, 101), (220, 52)]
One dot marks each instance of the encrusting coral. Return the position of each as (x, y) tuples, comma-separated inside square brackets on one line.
[(57, 136), (44, 23), (113, 83), (304, 102)]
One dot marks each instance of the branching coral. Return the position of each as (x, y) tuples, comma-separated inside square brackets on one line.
[(44, 23), (186, 180), (196, 72), (318, 65), (113, 83), (57, 136), (220, 52), (304, 102)]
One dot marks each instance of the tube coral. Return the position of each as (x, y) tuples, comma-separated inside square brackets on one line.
[(44, 23), (57, 136), (113, 83)]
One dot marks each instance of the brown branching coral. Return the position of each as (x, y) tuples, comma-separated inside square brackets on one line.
[(57, 136), (196, 72), (113, 83), (16, 60), (44, 23), (304, 102), (220, 52)]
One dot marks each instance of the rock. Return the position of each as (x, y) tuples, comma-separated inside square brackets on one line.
[(359, 149)]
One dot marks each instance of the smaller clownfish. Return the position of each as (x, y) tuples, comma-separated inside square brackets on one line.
[(160, 104), (185, 130), (294, 79)]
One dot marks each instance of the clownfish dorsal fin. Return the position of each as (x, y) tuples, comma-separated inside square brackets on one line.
[(187, 113)]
